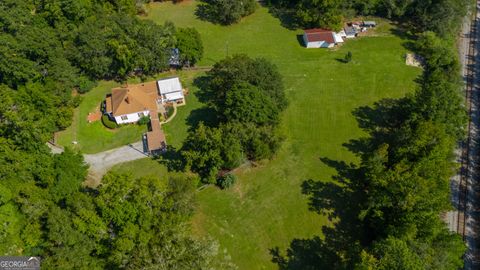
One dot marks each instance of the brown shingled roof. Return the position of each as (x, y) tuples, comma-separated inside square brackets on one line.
[(133, 98)]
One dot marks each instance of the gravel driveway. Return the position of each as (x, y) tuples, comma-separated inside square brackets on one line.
[(101, 162)]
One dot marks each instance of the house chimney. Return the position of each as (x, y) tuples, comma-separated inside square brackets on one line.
[(127, 100)]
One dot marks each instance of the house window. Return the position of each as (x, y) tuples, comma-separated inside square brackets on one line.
[(141, 114), (124, 117)]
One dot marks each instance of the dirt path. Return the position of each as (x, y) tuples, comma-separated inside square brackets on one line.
[(171, 117)]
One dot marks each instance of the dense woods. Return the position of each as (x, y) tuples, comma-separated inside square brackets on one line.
[(47, 49)]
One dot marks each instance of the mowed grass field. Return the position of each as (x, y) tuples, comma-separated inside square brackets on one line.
[(266, 209)]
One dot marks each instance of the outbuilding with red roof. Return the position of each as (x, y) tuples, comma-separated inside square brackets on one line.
[(319, 38)]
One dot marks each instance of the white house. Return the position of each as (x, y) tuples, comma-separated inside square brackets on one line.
[(170, 90), (128, 104), (319, 38)]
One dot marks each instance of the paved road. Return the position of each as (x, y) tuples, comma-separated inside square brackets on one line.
[(101, 162)]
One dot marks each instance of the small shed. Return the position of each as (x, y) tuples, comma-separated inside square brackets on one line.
[(319, 38), (350, 32), (369, 24)]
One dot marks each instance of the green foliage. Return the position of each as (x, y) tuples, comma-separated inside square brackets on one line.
[(226, 181), (442, 17), (246, 103), (169, 110), (108, 123), (47, 49), (202, 153), (348, 57), (129, 43), (231, 71), (392, 254), (248, 96), (189, 43), (225, 11), (323, 13), (85, 84), (70, 173), (144, 120)]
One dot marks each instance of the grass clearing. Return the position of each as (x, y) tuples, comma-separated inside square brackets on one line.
[(95, 137), (142, 168), (266, 208)]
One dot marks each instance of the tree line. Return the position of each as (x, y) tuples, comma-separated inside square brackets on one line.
[(443, 17), (401, 186), (47, 49)]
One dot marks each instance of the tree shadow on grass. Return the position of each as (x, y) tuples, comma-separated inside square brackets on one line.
[(342, 200), (407, 37), (204, 12), (205, 95), (286, 17), (172, 159), (205, 115)]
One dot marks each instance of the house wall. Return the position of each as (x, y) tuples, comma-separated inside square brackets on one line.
[(328, 45), (316, 44), (132, 118), (165, 100)]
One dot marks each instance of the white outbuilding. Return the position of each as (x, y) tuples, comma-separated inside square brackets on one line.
[(319, 38), (170, 90)]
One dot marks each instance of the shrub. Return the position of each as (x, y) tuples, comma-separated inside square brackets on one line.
[(226, 181), (170, 111), (76, 100), (108, 123), (144, 120), (348, 57), (85, 84)]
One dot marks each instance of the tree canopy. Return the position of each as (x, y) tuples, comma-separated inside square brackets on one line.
[(247, 96), (48, 49), (225, 11), (442, 17), (189, 43)]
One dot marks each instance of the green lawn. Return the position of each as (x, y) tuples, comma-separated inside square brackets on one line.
[(95, 137), (141, 168), (266, 209)]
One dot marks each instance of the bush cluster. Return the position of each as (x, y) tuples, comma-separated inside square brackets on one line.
[(108, 123)]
